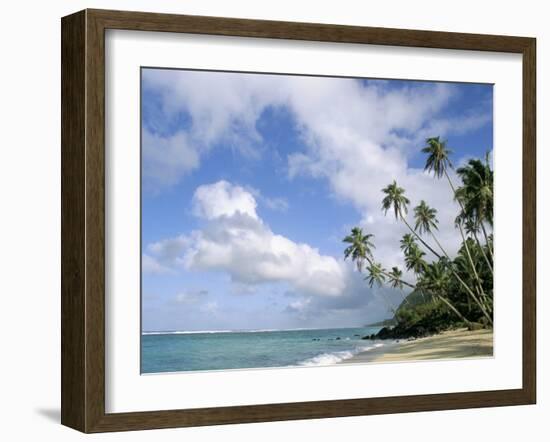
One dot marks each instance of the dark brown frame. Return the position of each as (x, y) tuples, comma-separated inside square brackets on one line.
[(83, 217)]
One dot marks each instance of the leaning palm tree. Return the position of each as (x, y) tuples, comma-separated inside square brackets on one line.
[(395, 278), (407, 243), (462, 267), (360, 247), (395, 199), (425, 217), (426, 222), (477, 190), (438, 162), (438, 157), (472, 229), (436, 280), (360, 250), (414, 260), (375, 274), (476, 196)]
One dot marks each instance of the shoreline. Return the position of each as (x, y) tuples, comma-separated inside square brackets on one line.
[(452, 344)]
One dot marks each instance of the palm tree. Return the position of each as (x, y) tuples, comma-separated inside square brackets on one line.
[(477, 190), (375, 274), (360, 247), (425, 217), (462, 266), (395, 278), (395, 198), (476, 196), (438, 157), (436, 277), (360, 250), (414, 260), (438, 162), (407, 243), (436, 280), (426, 221)]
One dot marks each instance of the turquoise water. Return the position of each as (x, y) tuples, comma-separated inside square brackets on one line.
[(188, 351)]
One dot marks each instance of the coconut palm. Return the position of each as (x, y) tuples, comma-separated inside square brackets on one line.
[(414, 260), (425, 217), (395, 278), (426, 222), (476, 196), (473, 229), (395, 199), (360, 247), (407, 243), (436, 277), (477, 191), (436, 280), (463, 268), (375, 274), (438, 157), (438, 162)]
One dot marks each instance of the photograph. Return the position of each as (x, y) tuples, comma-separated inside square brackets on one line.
[(303, 220)]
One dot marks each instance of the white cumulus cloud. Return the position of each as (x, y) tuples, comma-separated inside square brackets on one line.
[(223, 199), (235, 240)]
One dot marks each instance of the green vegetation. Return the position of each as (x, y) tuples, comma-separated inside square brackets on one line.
[(444, 291)]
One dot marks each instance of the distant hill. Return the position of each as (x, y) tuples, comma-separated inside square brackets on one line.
[(413, 299)]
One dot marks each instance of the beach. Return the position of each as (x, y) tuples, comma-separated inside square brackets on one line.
[(453, 344)]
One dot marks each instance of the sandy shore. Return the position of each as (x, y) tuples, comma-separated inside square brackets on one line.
[(447, 345)]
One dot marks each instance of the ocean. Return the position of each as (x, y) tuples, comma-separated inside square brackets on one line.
[(175, 351)]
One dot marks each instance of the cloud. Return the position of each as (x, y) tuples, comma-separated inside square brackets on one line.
[(163, 255), (151, 265), (191, 296), (277, 204), (235, 240), (167, 159), (223, 199)]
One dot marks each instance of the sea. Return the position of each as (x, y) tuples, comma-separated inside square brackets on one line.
[(175, 351)]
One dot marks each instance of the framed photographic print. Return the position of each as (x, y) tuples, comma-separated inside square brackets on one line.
[(268, 221)]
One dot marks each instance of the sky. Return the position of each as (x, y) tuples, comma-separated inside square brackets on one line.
[(250, 181)]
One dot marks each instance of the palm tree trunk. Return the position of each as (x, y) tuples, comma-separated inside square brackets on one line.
[(418, 236), (448, 304), (468, 289), (387, 275), (487, 242), (484, 254), (472, 265), (438, 296), (460, 225), (469, 255)]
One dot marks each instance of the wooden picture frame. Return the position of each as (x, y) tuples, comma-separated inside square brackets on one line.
[(83, 220)]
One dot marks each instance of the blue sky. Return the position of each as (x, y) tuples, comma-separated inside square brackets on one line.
[(250, 181)]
